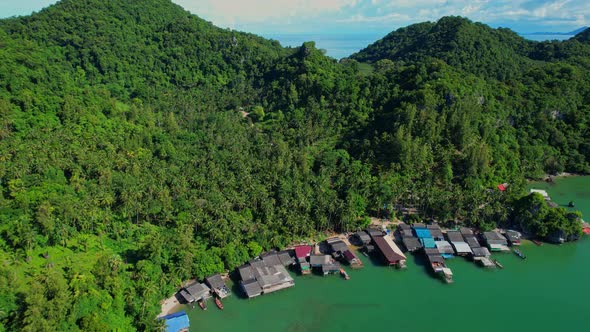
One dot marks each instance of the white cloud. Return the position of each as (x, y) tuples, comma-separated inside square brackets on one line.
[(232, 12), (314, 15), (375, 19)]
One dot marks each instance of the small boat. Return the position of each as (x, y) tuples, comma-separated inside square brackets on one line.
[(519, 254), (537, 242), (497, 263), (218, 303), (571, 204), (344, 274), (365, 253), (202, 304)]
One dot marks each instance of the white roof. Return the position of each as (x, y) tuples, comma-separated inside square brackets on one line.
[(442, 244), (499, 247), (462, 247), (394, 246), (540, 191), (447, 271)]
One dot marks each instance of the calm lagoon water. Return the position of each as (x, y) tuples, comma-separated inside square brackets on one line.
[(547, 292)]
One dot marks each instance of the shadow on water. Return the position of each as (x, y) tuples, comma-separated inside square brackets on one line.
[(376, 259), (236, 290)]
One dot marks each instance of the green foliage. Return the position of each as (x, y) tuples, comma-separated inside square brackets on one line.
[(127, 166), (534, 215)]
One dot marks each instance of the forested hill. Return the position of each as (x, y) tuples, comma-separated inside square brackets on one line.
[(583, 36), (141, 146), (474, 47), (144, 48)]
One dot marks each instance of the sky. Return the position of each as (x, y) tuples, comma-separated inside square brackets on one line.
[(360, 16)]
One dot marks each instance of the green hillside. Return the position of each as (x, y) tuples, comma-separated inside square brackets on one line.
[(141, 146), (473, 47)]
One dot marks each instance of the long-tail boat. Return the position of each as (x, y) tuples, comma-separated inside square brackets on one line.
[(218, 303)]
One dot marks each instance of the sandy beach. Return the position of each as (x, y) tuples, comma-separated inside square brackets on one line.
[(169, 305)]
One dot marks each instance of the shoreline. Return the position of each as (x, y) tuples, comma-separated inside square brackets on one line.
[(169, 306), (550, 178)]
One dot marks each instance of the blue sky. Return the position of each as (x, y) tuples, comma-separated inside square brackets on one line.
[(361, 16)]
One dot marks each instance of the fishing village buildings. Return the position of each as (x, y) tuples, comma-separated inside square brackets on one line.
[(264, 275), (269, 272)]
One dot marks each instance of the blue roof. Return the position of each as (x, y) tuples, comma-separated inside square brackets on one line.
[(423, 233), (428, 242), (176, 322)]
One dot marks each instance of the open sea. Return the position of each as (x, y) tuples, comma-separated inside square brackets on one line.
[(340, 46), (546, 292)]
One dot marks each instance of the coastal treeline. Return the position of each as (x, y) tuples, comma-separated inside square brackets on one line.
[(141, 146)]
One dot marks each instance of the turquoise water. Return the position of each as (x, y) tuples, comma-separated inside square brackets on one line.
[(336, 45), (340, 46), (547, 292)]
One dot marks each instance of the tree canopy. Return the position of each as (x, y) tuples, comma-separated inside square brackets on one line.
[(141, 146)]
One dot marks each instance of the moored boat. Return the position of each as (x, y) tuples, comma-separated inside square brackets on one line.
[(497, 263), (537, 242), (218, 303), (202, 304), (519, 254), (344, 274)]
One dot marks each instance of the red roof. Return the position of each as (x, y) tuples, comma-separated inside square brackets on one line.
[(586, 231), (501, 187), (302, 251)]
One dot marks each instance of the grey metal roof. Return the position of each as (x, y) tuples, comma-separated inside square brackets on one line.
[(418, 225), (411, 243), (444, 247), (404, 226), (495, 238), (512, 236), (257, 263), (466, 231), (215, 281), (433, 226), (339, 246), (363, 236), (407, 233), (251, 287), (335, 266), (374, 232), (435, 231), (246, 272), (198, 290), (271, 259), (481, 252), (317, 260), (455, 236), (431, 251), (435, 259), (286, 258), (472, 242), (461, 247), (187, 297)]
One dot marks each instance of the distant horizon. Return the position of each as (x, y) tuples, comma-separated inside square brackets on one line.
[(339, 48), (350, 17)]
